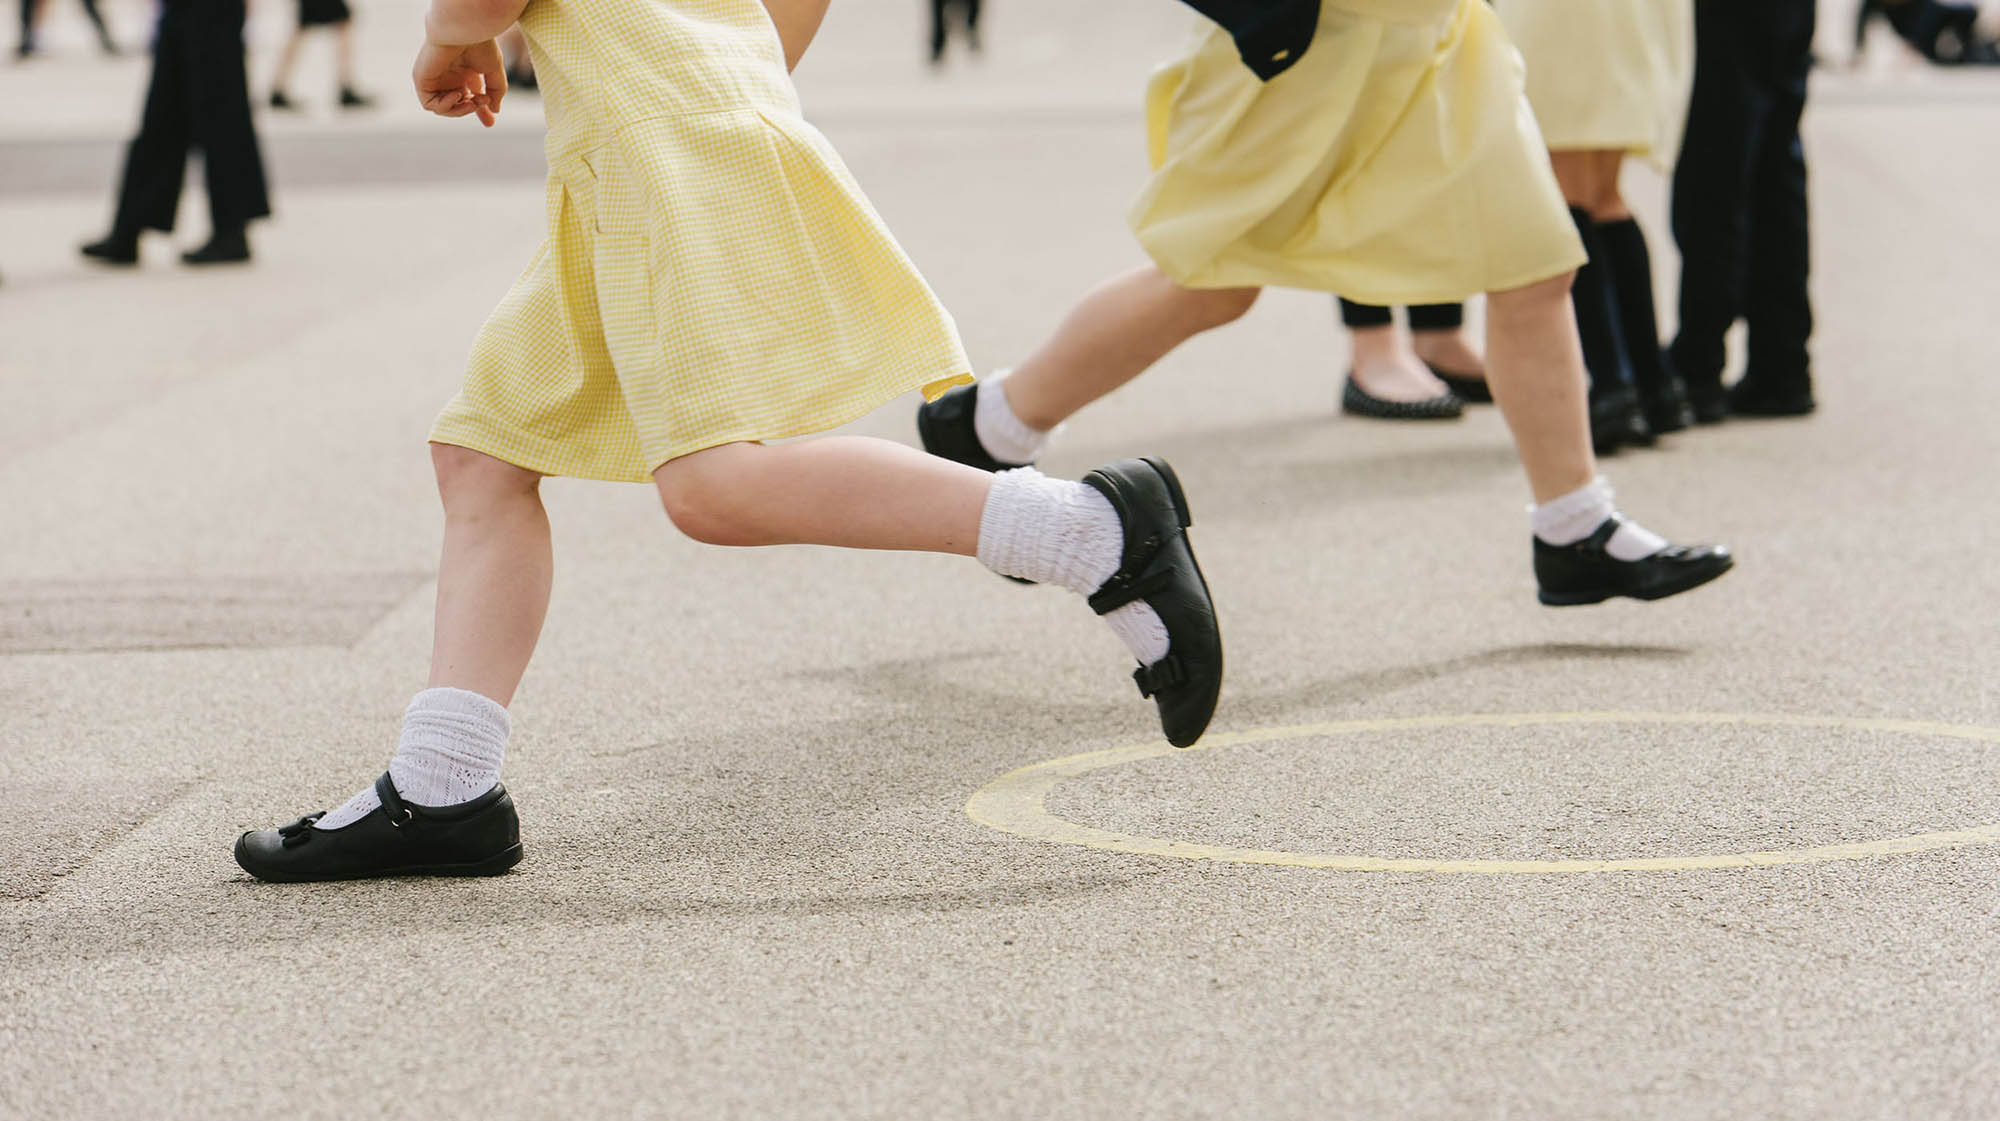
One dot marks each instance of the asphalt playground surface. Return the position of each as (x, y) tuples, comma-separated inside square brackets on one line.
[(790, 849)]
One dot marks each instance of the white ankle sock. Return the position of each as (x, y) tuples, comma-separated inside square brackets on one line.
[(1576, 515), (450, 752), (1005, 437), (1055, 531)]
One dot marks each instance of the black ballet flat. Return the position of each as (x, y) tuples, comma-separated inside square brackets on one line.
[(1159, 568), (478, 838), (945, 426), (1469, 388), (1583, 573), (1356, 401)]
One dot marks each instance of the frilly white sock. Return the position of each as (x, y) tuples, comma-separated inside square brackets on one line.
[(452, 745)]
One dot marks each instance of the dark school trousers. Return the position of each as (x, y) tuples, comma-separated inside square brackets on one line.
[(198, 99), (1739, 193)]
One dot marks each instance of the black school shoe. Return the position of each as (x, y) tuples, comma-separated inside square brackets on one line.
[(1581, 573), (1356, 401), (478, 838), (1755, 396), (945, 426), (1616, 420), (1159, 568)]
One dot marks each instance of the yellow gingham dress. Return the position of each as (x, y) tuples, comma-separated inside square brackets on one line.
[(712, 273), (1396, 162), (1608, 75)]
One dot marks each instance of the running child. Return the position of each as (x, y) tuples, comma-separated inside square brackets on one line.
[(1381, 149), (712, 278)]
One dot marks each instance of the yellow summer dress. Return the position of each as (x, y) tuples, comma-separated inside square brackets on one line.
[(1607, 75), (711, 273), (1396, 162)]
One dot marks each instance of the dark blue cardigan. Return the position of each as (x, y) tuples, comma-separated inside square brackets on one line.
[(1269, 34)]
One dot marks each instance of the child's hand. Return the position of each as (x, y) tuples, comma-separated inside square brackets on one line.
[(455, 81)]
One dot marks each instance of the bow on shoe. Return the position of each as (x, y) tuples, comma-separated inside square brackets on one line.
[(300, 831)]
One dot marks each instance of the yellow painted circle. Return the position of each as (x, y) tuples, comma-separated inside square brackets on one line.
[(1017, 802)]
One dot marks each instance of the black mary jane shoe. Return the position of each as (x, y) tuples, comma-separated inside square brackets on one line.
[(945, 426), (1356, 401), (1469, 388), (478, 838), (1159, 568), (1582, 573)]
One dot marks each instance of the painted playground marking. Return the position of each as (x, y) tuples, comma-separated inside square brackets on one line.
[(1017, 802)]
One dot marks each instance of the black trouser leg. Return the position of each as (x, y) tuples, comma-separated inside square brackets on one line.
[(237, 191), (1778, 303), (1595, 294), (149, 193), (1712, 185), (97, 21)]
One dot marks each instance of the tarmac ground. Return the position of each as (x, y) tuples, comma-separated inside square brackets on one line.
[(823, 834)]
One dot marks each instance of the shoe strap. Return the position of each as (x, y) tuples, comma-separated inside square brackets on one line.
[(1602, 535), (1124, 587), (397, 810)]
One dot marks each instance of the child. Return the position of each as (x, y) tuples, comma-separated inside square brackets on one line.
[(712, 278), (1607, 81), (1393, 161)]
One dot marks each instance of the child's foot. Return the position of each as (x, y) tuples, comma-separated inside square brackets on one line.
[(1588, 552), (964, 423), (349, 99), (439, 811), (1452, 361), (1117, 537), (477, 838), (281, 102)]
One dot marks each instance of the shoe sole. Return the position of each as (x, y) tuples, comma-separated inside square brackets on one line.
[(494, 865), (1686, 584)]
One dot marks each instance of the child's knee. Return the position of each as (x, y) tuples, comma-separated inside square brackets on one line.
[(699, 496), (466, 476)]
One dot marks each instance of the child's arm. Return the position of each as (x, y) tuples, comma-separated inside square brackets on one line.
[(798, 21), (460, 69)]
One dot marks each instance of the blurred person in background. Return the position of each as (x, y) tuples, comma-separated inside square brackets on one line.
[(333, 14), (1946, 33), (1431, 373), (1607, 81), (32, 12), (1740, 212), (519, 61), (943, 14), (198, 99)]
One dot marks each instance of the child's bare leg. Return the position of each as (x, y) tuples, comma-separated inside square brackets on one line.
[(1585, 550), (494, 577), (1535, 368), (1113, 336), (288, 56), (849, 491), (1092, 537)]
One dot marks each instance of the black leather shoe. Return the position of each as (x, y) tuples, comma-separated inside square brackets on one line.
[(1159, 568), (1580, 573), (1666, 407), (223, 248), (1356, 401), (479, 838), (1754, 397), (114, 249), (1617, 420), (1469, 388), (945, 426)]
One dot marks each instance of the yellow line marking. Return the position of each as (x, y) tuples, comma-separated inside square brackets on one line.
[(1017, 802)]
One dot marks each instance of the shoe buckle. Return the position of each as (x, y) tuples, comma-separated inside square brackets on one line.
[(399, 822)]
